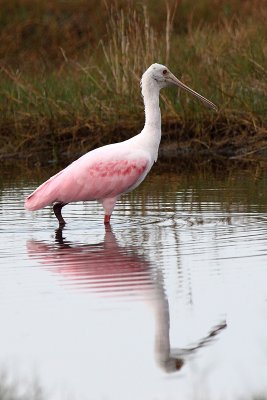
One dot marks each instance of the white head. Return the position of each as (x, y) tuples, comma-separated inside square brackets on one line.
[(159, 76)]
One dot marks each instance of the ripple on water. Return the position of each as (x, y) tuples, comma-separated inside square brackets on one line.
[(177, 259)]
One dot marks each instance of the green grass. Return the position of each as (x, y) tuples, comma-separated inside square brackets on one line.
[(61, 93)]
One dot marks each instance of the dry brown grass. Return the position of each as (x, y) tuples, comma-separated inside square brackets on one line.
[(70, 75)]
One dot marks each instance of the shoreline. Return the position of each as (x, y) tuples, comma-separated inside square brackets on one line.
[(85, 92), (210, 139)]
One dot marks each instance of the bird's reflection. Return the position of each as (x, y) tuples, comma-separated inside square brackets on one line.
[(110, 268), (104, 267)]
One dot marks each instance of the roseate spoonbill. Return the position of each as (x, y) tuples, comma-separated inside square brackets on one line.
[(104, 174)]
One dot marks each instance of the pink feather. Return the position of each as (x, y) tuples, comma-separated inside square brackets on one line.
[(98, 175)]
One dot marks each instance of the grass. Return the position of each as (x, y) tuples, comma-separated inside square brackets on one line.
[(71, 83)]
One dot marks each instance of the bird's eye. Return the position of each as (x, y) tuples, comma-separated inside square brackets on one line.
[(164, 71)]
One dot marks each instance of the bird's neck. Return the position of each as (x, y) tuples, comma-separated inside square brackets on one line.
[(151, 101), (152, 128)]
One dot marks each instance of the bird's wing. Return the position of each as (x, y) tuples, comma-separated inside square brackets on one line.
[(104, 173)]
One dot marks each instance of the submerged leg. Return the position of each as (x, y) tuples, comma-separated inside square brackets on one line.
[(59, 235), (107, 219), (57, 210)]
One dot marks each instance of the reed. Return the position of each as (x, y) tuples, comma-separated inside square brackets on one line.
[(91, 97)]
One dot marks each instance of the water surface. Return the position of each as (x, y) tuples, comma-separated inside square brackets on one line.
[(169, 302)]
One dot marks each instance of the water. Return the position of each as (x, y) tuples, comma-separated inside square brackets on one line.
[(170, 302)]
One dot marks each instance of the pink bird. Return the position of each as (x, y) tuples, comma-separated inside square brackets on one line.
[(104, 174)]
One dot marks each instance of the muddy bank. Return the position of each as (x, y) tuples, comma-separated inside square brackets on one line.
[(243, 142)]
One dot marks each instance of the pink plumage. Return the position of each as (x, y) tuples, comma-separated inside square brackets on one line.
[(107, 172), (102, 174)]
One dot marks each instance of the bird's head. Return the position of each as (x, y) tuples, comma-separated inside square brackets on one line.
[(162, 77)]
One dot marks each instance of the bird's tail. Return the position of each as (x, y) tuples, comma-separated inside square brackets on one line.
[(44, 195)]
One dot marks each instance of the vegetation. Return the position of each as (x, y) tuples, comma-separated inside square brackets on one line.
[(70, 73)]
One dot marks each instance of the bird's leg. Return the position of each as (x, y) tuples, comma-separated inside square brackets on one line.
[(58, 235), (108, 205), (57, 210), (107, 219)]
